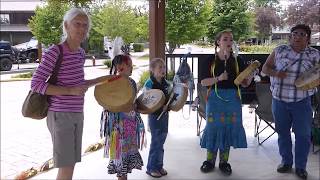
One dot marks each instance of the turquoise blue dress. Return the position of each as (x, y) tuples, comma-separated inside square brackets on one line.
[(224, 122), (223, 110)]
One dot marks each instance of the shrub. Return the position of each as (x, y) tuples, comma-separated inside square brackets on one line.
[(143, 78), (170, 75), (24, 75), (138, 47), (146, 74), (256, 49), (107, 63)]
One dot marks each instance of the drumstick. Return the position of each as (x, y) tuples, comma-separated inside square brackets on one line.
[(108, 79), (170, 98)]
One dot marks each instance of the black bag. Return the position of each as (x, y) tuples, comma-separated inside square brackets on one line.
[(35, 105)]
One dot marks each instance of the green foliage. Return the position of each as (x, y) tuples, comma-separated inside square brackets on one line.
[(116, 19), (257, 49), (24, 75), (231, 14), (186, 21), (142, 28), (170, 75), (76, 3), (108, 63), (138, 47), (146, 74), (143, 78), (46, 24), (95, 38)]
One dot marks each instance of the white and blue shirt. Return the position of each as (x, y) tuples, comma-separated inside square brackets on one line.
[(294, 64)]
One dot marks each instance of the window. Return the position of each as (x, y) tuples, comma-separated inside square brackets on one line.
[(4, 19)]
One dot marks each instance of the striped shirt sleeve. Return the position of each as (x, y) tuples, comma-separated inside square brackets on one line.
[(39, 82)]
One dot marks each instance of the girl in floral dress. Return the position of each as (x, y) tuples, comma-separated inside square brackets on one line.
[(123, 130)]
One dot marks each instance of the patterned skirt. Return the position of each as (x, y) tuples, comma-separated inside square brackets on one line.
[(122, 142), (224, 122)]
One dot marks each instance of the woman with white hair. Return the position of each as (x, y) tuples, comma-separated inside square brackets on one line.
[(65, 114)]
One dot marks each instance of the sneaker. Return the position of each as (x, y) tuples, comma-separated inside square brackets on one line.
[(284, 168), (301, 173), (225, 168)]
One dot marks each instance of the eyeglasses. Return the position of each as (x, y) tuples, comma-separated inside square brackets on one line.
[(299, 34)]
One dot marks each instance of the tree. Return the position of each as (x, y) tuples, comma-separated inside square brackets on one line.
[(186, 21), (116, 19), (266, 3), (76, 3), (303, 11), (95, 38), (46, 24), (231, 14), (266, 18), (142, 23)]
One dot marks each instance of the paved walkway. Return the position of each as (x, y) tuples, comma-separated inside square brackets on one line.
[(26, 143)]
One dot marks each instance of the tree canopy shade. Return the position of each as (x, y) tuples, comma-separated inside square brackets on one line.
[(266, 3), (116, 19), (303, 11), (186, 21), (266, 18), (46, 24), (76, 3), (230, 14)]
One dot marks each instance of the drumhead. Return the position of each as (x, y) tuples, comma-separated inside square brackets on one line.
[(309, 79), (150, 101), (182, 93), (115, 95)]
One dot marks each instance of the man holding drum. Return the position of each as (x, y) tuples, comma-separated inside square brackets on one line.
[(291, 106)]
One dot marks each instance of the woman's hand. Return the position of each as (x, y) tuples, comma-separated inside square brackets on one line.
[(223, 76), (280, 74), (208, 81)]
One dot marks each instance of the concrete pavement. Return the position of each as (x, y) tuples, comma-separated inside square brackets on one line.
[(26, 143)]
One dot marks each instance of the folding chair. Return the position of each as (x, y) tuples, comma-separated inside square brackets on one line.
[(200, 105), (263, 111)]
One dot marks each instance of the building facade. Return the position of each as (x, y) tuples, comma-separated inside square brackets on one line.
[(14, 18)]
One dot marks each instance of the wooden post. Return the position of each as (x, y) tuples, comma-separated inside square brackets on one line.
[(157, 29)]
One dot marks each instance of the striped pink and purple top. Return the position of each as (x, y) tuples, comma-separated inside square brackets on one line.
[(71, 73)]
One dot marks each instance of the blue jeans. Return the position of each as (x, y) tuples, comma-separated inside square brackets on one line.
[(159, 131), (297, 115)]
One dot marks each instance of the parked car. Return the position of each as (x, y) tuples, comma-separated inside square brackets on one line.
[(29, 49), (7, 56)]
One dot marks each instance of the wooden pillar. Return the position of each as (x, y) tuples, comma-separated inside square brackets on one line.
[(157, 29)]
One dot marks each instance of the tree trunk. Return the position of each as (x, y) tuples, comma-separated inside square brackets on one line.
[(39, 51)]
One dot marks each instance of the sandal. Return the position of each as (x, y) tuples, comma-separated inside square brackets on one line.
[(225, 168), (207, 166), (154, 174), (163, 172)]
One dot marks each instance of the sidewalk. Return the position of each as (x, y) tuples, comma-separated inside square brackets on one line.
[(26, 143)]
